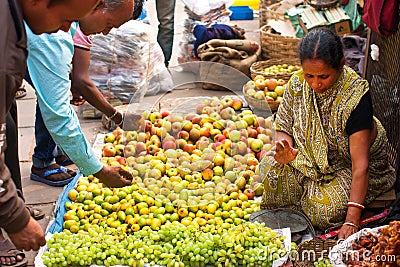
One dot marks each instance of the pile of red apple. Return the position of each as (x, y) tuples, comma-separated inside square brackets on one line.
[(207, 154)]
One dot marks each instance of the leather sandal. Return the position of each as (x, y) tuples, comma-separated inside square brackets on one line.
[(36, 214), (45, 176), (8, 250)]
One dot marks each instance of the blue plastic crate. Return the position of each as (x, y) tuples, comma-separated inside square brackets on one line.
[(241, 13)]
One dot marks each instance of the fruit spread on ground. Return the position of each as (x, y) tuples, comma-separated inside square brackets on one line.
[(195, 177)]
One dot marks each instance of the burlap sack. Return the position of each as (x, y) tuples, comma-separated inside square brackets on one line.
[(239, 54)]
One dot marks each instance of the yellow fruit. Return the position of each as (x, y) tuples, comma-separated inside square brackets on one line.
[(69, 223), (81, 187), (260, 84), (121, 194), (259, 77), (74, 228), (121, 216), (186, 221), (279, 90), (72, 194), (272, 94), (113, 199)]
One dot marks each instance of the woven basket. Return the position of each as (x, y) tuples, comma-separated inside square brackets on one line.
[(321, 4), (276, 46), (257, 67), (264, 9), (260, 104), (311, 250)]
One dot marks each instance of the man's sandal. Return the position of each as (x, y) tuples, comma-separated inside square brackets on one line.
[(43, 177), (65, 161), (16, 258), (36, 214), (21, 92)]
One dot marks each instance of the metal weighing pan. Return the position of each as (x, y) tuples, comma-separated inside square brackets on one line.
[(283, 218)]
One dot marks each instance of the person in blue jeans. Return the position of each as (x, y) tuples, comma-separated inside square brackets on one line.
[(49, 65), (165, 36), (47, 159)]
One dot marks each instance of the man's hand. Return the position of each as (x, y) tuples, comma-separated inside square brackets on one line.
[(284, 153), (113, 176), (31, 237), (77, 98)]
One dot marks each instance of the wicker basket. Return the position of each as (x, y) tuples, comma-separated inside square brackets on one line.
[(264, 9), (260, 104), (276, 46), (312, 250), (321, 4), (257, 67)]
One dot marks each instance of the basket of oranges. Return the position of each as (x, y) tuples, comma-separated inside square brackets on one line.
[(263, 93)]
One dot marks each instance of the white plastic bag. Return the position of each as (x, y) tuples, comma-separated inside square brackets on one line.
[(131, 56), (204, 6), (197, 7)]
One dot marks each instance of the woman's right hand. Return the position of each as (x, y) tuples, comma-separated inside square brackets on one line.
[(284, 153)]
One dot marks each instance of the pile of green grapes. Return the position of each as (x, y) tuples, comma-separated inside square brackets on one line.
[(322, 263), (248, 244)]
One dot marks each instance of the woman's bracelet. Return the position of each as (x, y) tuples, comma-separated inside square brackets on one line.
[(351, 224), (355, 205), (112, 116)]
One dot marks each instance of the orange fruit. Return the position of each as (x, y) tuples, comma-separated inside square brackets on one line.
[(272, 83)]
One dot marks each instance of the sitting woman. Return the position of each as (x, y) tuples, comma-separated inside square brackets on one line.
[(330, 156)]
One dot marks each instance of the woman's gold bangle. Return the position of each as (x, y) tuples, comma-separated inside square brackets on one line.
[(351, 224)]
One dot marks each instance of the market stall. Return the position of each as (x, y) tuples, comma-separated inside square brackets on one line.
[(195, 186), (195, 195)]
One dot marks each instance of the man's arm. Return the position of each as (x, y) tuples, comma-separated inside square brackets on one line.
[(49, 64), (49, 68), (82, 83)]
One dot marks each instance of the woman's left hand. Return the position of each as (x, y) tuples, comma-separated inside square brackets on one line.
[(346, 231)]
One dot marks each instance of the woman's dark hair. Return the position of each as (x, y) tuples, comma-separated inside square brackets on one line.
[(137, 9), (322, 44)]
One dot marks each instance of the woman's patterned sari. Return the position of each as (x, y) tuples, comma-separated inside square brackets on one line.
[(318, 181)]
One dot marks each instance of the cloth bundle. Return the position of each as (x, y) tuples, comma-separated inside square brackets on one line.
[(216, 31), (239, 54), (186, 44)]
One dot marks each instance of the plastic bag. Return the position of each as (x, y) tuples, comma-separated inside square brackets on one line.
[(125, 58), (202, 7)]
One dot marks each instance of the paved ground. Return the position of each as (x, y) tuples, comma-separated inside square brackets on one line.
[(44, 197)]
